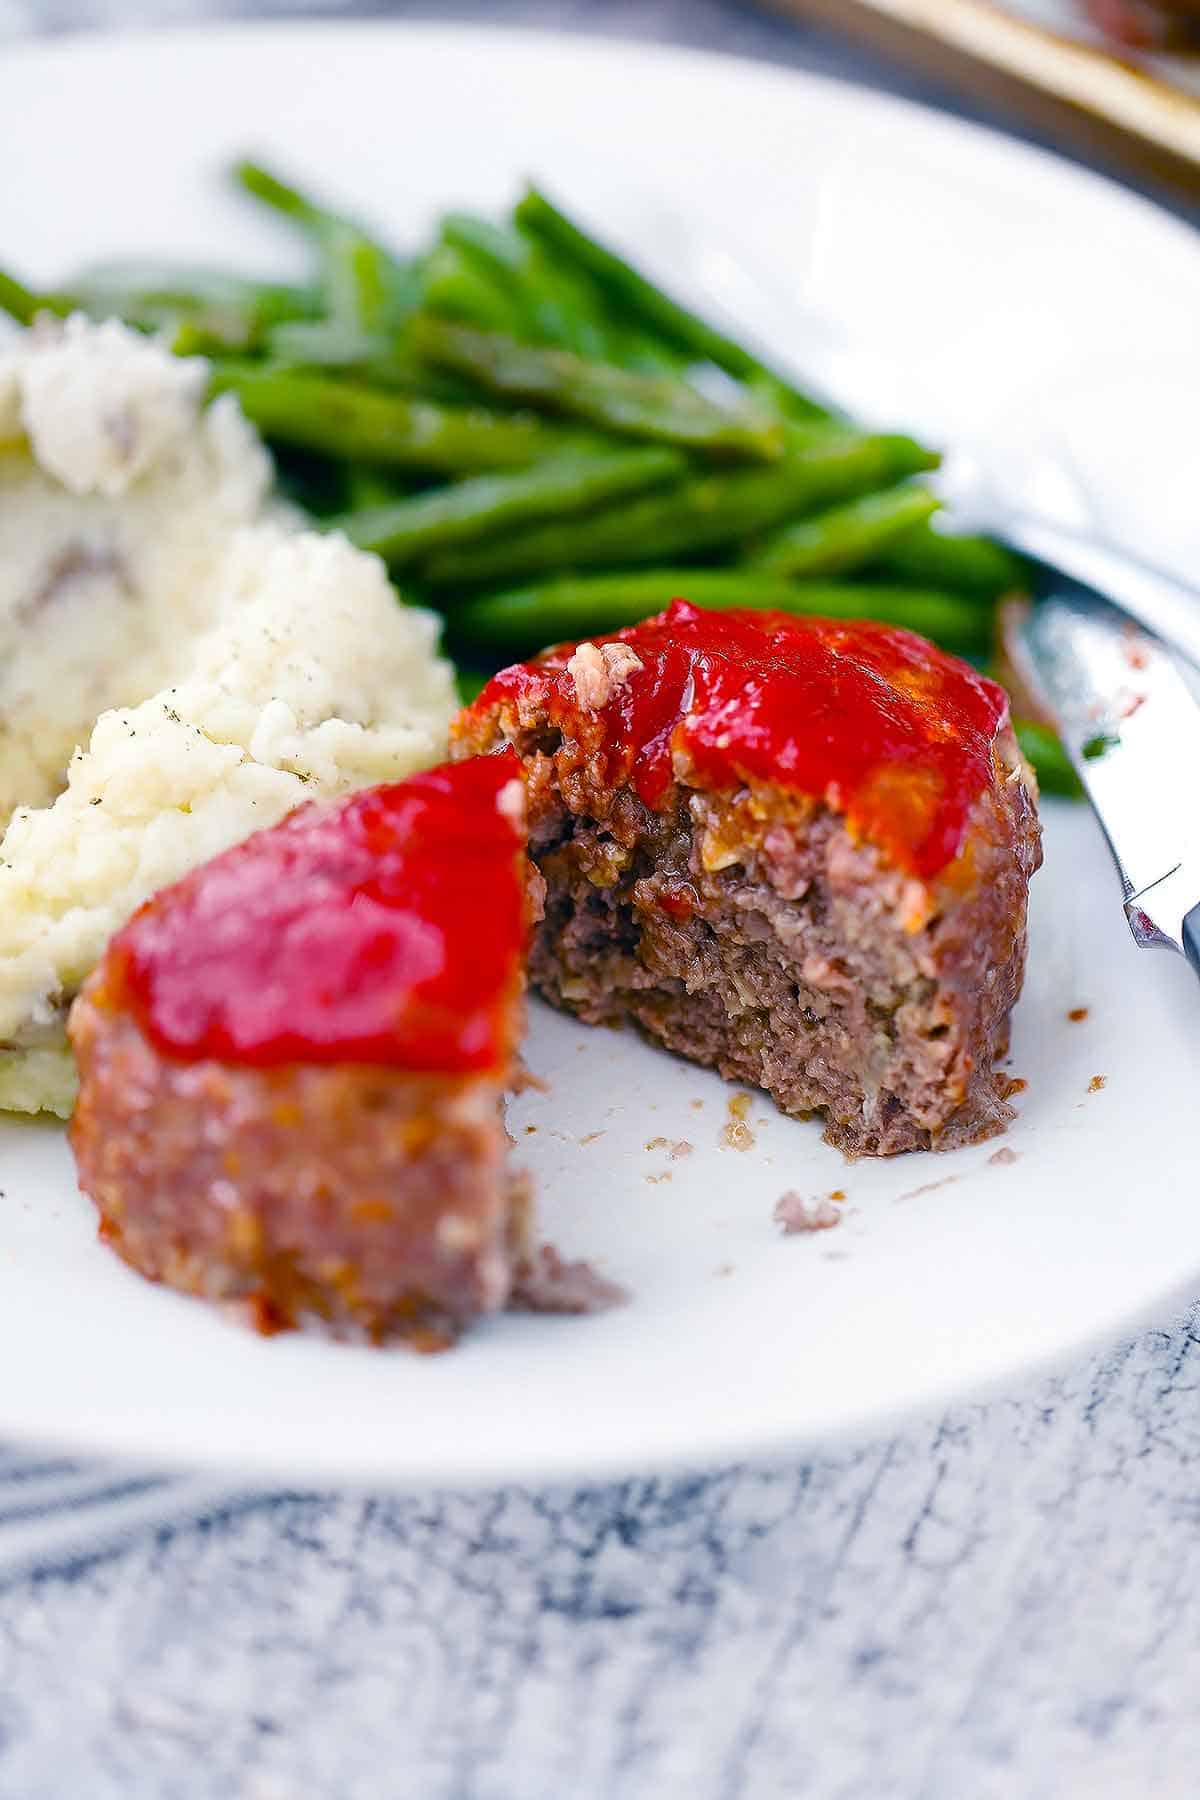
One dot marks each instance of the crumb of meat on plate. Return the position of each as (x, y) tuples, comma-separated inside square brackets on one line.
[(798, 1213), (544, 1283), (736, 1133)]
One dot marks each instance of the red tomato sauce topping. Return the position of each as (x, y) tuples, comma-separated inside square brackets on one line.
[(885, 728), (387, 928)]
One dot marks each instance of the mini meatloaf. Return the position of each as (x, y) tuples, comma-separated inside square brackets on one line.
[(795, 850), (292, 1064)]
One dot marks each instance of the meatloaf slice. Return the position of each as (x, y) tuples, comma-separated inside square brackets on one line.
[(794, 850), (292, 1064)]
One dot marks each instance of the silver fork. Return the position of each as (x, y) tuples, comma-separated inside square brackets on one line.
[(1165, 606)]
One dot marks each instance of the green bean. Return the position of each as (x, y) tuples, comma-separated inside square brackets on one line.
[(326, 343), (18, 301), (525, 619), (375, 361), (366, 287), (503, 250), (569, 309), (367, 491), (128, 285), (365, 284), (554, 302), (280, 196), (844, 537), (707, 512), (406, 530), (1051, 763), (205, 335), (458, 287), (360, 424), (200, 311), (495, 255), (399, 373), (639, 406), (357, 280), (971, 565), (640, 297), (506, 256)]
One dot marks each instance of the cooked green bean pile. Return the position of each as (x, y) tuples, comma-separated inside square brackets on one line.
[(542, 444)]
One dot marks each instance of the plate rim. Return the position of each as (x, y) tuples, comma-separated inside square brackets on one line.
[(92, 40), (270, 1472)]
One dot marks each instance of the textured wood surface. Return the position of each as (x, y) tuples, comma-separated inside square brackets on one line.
[(997, 1605), (1002, 1605)]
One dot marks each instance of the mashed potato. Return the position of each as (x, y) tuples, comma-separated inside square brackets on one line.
[(238, 665), (118, 496)]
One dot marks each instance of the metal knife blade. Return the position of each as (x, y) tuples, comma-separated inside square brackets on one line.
[(1131, 727)]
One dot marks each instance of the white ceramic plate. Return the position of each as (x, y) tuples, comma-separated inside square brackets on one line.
[(976, 268)]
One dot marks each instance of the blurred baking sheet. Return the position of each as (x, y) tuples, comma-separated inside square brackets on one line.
[(1046, 63)]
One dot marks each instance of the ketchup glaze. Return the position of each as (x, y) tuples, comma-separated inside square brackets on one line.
[(388, 928), (875, 721)]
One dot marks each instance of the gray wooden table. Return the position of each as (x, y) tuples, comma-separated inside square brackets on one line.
[(1003, 1603)]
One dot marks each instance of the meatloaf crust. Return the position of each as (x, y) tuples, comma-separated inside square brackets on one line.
[(374, 1202)]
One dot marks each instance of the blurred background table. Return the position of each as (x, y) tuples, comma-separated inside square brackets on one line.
[(1000, 1603), (736, 26)]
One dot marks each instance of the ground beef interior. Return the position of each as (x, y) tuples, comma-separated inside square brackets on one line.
[(753, 935)]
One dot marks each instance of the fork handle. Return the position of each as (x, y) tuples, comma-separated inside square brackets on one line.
[(1169, 608)]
